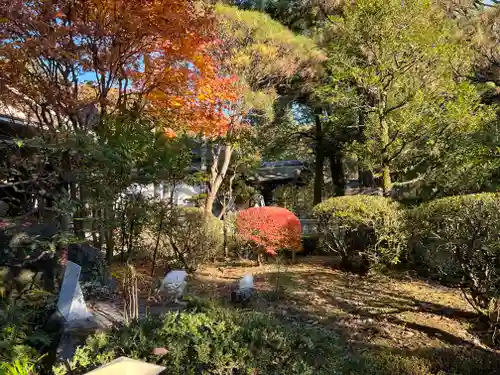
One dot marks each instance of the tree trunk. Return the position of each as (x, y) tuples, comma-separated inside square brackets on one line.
[(337, 172), (101, 228), (131, 236), (108, 234), (225, 238), (77, 219), (320, 161), (81, 213), (386, 171), (217, 176), (366, 178), (157, 245), (229, 201), (385, 143), (260, 259), (94, 230), (386, 179)]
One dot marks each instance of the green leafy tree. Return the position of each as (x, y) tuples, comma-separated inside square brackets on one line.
[(264, 55), (400, 62)]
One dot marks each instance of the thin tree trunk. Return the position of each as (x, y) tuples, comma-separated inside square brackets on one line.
[(109, 237), (94, 231), (385, 142), (320, 161), (386, 170), (130, 238), (100, 212), (260, 258), (217, 177), (123, 227), (229, 197), (82, 212), (365, 177), (157, 245), (225, 243)]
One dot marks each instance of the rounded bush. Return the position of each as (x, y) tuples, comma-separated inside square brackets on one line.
[(372, 225), (270, 229), (458, 238)]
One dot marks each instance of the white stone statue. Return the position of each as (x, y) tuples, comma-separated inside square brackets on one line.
[(246, 282), (174, 284), (245, 290)]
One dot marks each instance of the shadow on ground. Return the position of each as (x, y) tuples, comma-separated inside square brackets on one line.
[(380, 320)]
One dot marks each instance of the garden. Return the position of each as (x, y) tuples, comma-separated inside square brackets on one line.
[(340, 157)]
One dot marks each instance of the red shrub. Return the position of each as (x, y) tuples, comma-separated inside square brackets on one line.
[(270, 228)]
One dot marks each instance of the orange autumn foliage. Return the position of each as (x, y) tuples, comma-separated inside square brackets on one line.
[(270, 228), (154, 57)]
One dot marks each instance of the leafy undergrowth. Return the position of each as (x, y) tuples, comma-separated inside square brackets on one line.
[(206, 339)]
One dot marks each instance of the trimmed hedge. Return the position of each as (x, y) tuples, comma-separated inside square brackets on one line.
[(371, 224), (458, 239)]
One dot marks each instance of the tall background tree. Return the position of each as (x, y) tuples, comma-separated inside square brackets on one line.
[(264, 56)]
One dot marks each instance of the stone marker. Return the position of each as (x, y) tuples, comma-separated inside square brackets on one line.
[(245, 290), (76, 320), (71, 303), (246, 282), (127, 366), (174, 284)]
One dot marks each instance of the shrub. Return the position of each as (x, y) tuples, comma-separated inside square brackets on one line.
[(235, 244), (194, 239), (22, 334), (18, 367), (459, 238), (214, 340), (270, 229), (371, 224)]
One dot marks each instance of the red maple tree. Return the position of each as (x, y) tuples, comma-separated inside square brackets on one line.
[(153, 57), (270, 228)]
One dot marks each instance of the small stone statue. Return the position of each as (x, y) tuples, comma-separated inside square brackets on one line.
[(245, 290), (174, 284)]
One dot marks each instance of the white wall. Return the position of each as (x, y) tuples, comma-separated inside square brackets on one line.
[(182, 192)]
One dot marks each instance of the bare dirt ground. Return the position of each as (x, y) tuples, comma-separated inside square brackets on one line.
[(377, 309)]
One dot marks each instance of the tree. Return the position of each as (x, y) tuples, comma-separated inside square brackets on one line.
[(298, 15), (130, 51), (263, 54), (324, 134), (401, 63), (77, 68)]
